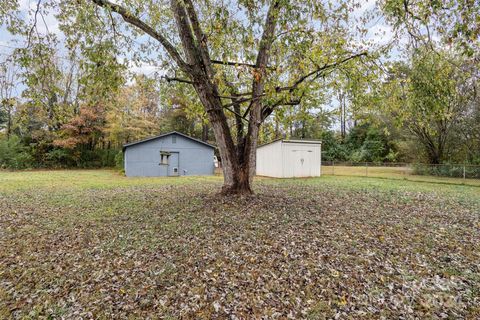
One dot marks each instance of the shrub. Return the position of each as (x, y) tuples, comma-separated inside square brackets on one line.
[(358, 155), (392, 156), (108, 157), (119, 160), (100, 158), (59, 158), (14, 155)]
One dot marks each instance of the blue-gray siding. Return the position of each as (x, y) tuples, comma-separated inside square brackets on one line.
[(191, 157)]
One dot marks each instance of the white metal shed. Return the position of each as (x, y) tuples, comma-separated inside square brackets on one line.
[(290, 158)]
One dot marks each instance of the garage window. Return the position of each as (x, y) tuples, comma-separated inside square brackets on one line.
[(174, 139), (164, 157)]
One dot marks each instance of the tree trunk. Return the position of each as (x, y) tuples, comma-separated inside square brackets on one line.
[(204, 132), (238, 164), (9, 121), (433, 158), (237, 172), (240, 181), (434, 154), (343, 114)]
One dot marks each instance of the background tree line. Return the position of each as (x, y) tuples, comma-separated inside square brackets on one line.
[(79, 111)]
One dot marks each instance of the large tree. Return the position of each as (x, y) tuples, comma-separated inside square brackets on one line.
[(425, 99), (244, 59)]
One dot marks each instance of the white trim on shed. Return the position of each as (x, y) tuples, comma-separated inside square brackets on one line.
[(289, 158)]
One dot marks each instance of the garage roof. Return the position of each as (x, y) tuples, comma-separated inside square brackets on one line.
[(165, 135), (306, 141)]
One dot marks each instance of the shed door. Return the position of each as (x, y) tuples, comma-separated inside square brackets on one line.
[(173, 162), (300, 159)]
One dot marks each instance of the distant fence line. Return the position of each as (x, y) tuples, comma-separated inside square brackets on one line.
[(395, 169)]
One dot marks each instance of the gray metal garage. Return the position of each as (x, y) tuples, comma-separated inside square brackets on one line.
[(169, 154)]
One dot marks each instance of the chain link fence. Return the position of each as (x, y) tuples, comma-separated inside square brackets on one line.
[(454, 173)]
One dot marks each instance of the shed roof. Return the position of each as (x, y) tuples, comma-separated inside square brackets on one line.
[(307, 141), (165, 135)]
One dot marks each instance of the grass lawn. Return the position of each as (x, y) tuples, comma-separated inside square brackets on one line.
[(94, 244)]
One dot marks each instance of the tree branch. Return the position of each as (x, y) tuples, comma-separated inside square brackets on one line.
[(258, 83), (235, 96), (267, 110), (237, 108), (197, 30), (130, 18), (236, 113), (318, 71), (170, 79), (231, 63), (201, 38), (34, 26), (192, 52), (265, 45), (238, 101)]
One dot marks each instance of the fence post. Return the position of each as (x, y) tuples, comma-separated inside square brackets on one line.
[(333, 168), (464, 171), (366, 169)]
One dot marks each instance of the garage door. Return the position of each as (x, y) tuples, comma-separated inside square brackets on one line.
[(299, 160)]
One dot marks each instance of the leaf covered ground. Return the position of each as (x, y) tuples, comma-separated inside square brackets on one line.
[(93, 244)]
